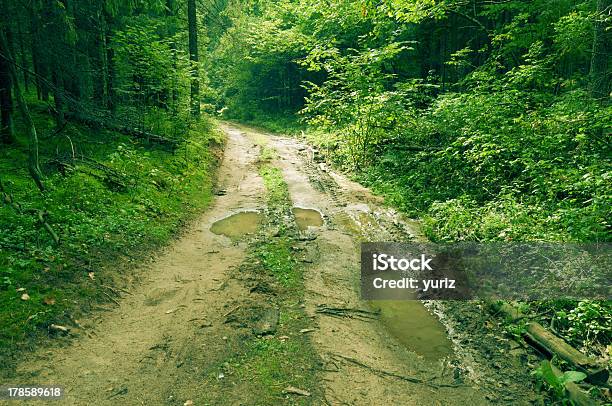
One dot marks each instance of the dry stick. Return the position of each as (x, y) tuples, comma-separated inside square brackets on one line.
[(41, 214), (111, 289), (393, 374), (232, 311), (347, 312), (111, 298), (125, 291), (42, 217)]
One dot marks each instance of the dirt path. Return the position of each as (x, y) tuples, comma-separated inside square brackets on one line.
[(134, 354), (356, 350), (152, 348)]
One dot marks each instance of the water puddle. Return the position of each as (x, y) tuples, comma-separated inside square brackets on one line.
[(414, 327), (307, 218), (408, 321), (238, 224)]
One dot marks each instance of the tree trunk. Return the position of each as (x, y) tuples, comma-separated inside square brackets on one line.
[(6, 105), (33, 166), (35, 54), (110, 73), (600, 79), (39, 60), (171, 14), (100, 85), (24, 63), (193, 57), (549, 343), (58, 97), (54, 31), (73, 77)]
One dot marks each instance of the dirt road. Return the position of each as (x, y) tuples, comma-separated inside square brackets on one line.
[(156, 346)]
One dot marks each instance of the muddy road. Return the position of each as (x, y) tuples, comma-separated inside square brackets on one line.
[(169, 340)]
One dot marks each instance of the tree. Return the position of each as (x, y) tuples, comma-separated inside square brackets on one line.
[(600, 77), (6, 104), (33, 165), (193, 57)]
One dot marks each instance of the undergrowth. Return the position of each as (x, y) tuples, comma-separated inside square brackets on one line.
[(111, 204)]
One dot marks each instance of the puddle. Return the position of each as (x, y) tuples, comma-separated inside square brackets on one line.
[(414, 327), (238, 224), (408, 321), (307, 218)]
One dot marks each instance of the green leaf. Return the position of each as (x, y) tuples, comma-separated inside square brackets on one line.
[(572, 376), (548, 375)]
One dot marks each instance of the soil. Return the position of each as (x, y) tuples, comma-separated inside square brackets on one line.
[(150, 348)]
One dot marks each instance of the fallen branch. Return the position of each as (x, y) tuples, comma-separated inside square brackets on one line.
[(111, 176), (42, 218), (111, 298), (144, 135), (550, 345), (111, 289), (231, 311), (348, 312), (381, 372), (42, 215)]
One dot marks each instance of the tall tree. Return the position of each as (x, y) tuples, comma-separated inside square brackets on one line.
[(6, 107), (600, 77), (33, 165), (193, 57)]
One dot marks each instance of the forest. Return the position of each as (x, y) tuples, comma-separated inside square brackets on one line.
[(487, 120)]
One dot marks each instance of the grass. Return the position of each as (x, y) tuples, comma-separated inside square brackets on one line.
[(276, 255), (276, 189), (260, 368), (277, 259), (111, 210), (274, 364)]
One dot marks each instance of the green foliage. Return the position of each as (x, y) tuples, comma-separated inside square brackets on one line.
[(255, 52), (101, 220), (503, 133), (276, 188), (276, 255), (558, 383), (478, 117), (153, 74), (277, 259), (585, 323), (288, 124)]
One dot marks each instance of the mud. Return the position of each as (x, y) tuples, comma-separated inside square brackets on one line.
[(305, 218), (159, 345), (237, 225), (410, 323)]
